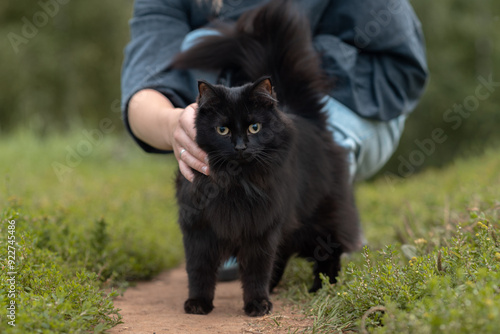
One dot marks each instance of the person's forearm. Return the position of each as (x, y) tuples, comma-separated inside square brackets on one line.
[(151, 117)]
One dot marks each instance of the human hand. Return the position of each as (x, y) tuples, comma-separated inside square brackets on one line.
[(155, 120), (186, 151)]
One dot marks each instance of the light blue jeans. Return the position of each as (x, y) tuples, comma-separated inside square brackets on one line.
[(369, 143)]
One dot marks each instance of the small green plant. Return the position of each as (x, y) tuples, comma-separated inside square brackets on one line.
[(452, 289), (462, 294), (101, 226), (432, 262), (49, 295)]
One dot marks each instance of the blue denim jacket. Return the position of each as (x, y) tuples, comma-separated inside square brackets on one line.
[(374, 50)]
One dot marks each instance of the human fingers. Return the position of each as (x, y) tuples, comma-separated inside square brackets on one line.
[(184, 149), (186, 122), (186, 171), (192, 162)]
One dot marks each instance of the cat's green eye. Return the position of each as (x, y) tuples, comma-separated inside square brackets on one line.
[(254, 128), (222, 130)]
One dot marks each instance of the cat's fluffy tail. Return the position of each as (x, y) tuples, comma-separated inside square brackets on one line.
[(274, 40)]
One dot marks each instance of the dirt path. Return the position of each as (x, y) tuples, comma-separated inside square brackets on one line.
[(157, 307)]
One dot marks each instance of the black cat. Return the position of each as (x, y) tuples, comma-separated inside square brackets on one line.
[(278, 184)]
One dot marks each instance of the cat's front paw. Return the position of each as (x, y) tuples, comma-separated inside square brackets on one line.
[(316, 286), (258, 307), (198, 306)]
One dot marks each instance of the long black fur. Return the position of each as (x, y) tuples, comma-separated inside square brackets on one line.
[(274, 40), (282, 191)]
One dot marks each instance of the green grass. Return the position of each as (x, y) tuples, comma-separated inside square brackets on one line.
[(117, 190), (432, 262), (112, 218)]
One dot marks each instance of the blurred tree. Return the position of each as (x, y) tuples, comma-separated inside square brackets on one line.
[(60, 66), (60, 62), (463, 41)]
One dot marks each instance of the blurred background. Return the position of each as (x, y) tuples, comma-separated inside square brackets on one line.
[(60, 66)]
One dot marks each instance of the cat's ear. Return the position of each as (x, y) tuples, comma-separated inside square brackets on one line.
[(263, 89), (263, 85), (205, 89)]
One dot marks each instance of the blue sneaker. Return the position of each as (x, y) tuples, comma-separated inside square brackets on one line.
[(228, 271)]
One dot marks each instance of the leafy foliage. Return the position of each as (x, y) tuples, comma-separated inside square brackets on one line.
[(51, 294), (61, 61), (426, 274), (453, 289), (111, 219)]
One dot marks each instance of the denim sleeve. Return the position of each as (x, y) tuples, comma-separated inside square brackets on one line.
[(375, 52), (157, 28)]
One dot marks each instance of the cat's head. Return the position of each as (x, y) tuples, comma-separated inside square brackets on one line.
[(242, 125)]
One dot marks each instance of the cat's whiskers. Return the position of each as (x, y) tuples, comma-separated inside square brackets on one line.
[(261, 159), (217, 162), (216, 158)]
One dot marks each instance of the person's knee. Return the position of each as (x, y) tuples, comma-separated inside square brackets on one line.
[(378, 148)]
